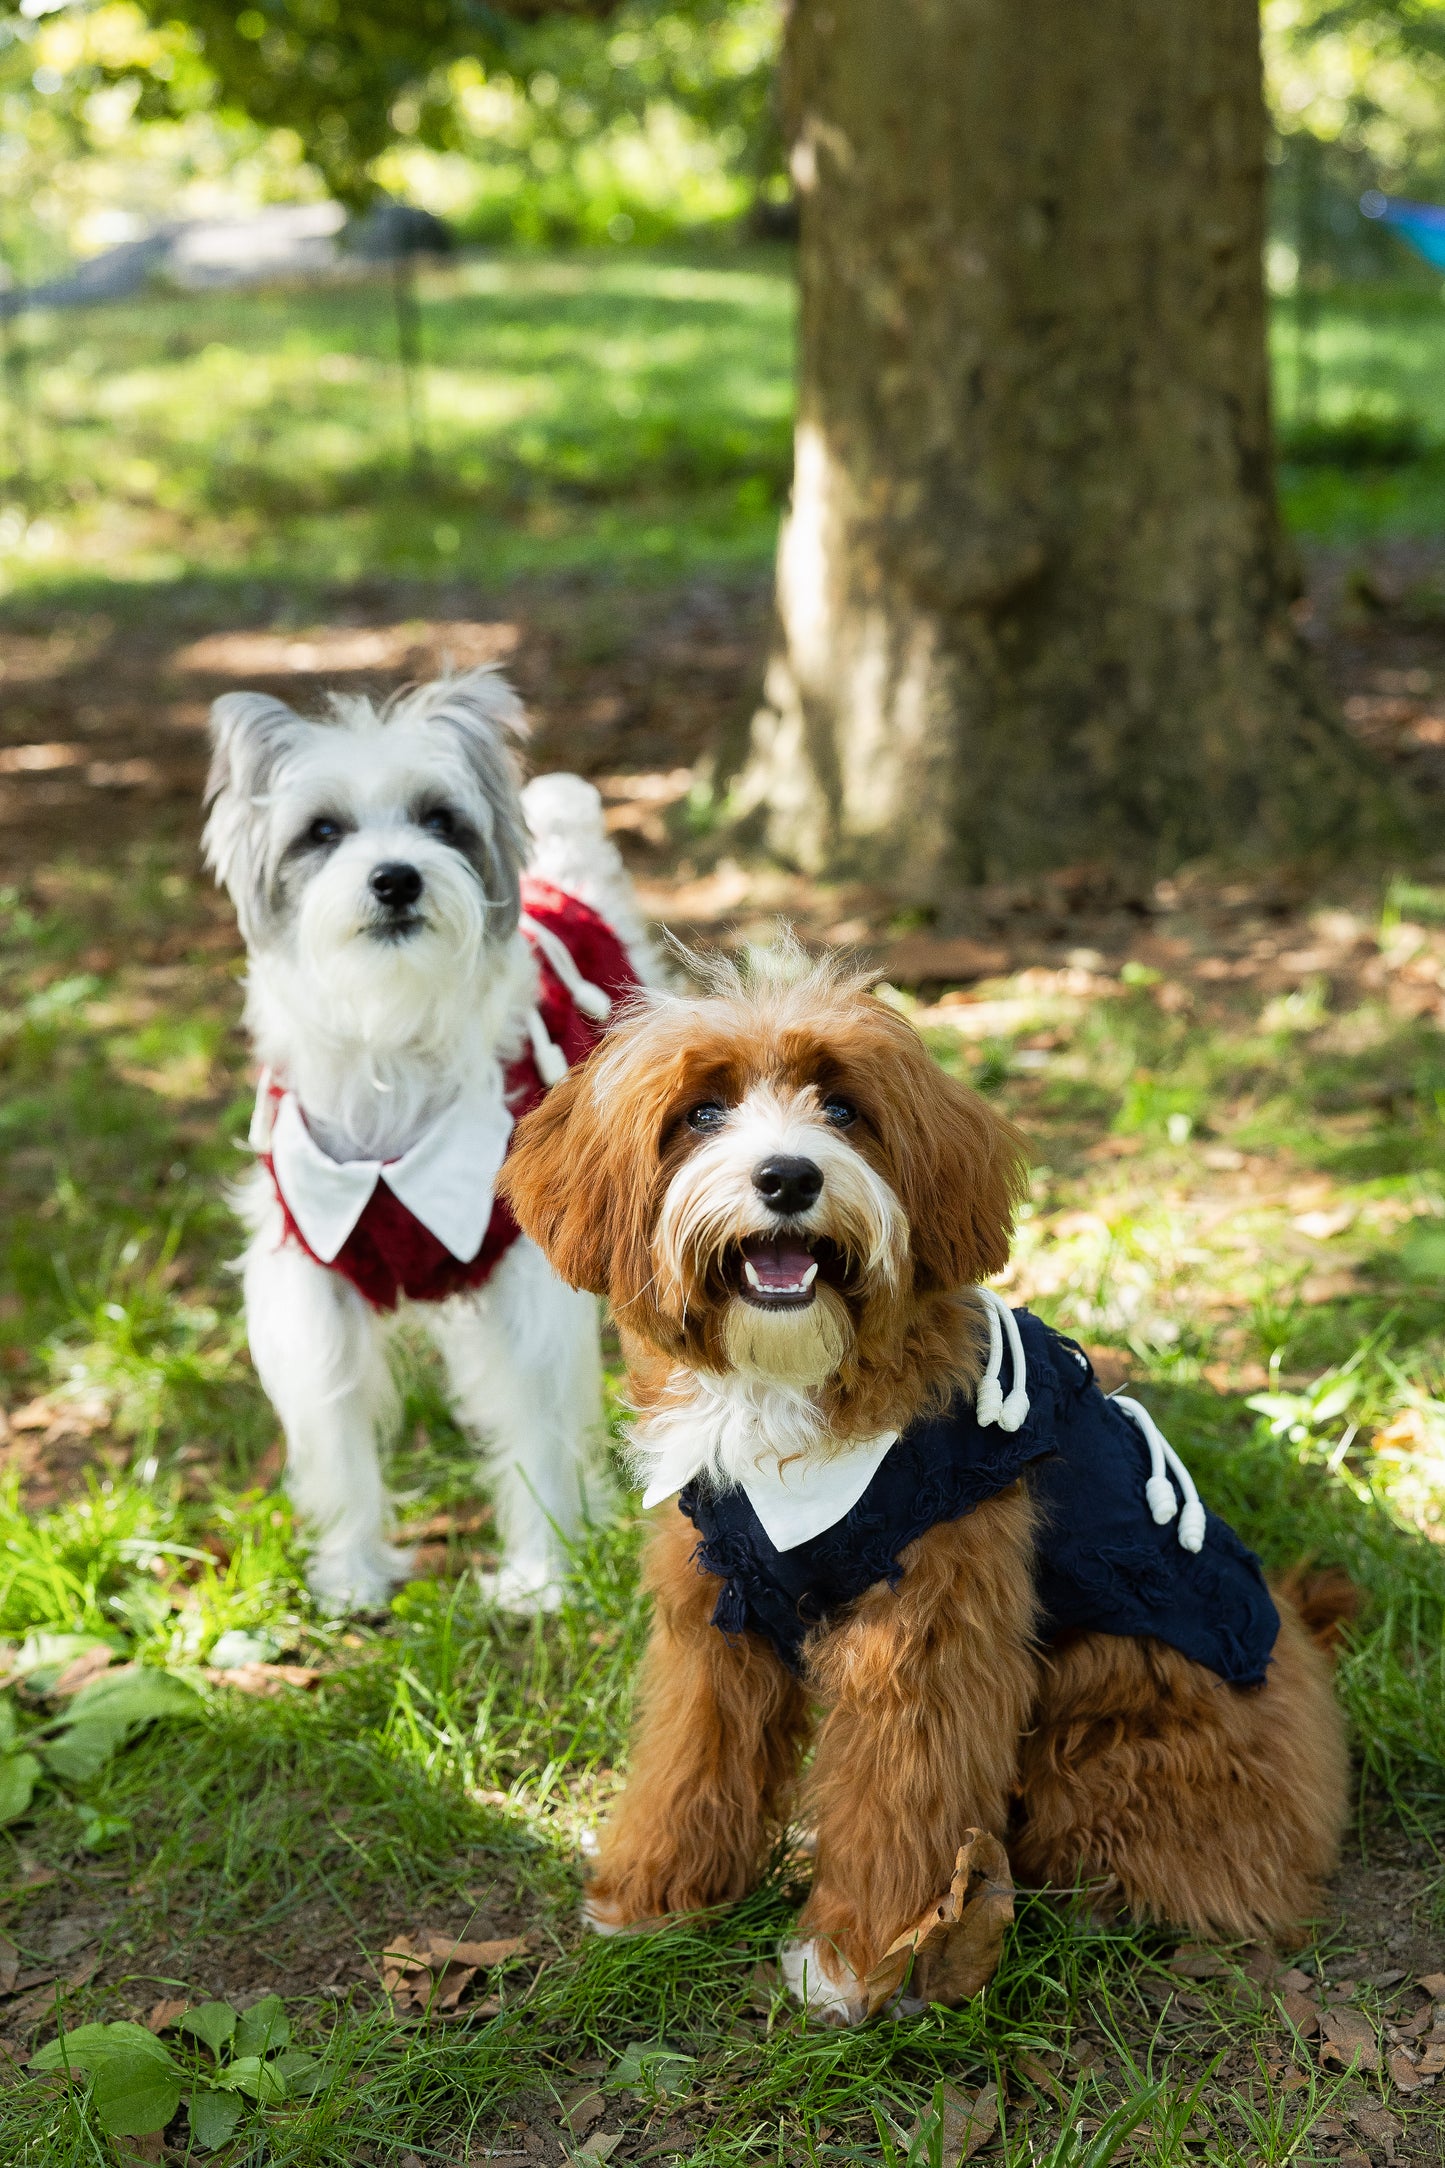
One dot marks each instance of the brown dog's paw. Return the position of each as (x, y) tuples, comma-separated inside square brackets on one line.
[(954, 1950)]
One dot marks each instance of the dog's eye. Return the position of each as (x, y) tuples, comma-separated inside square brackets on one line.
[(324, 830), (439, 821), (710, 1115), (839, 1112)]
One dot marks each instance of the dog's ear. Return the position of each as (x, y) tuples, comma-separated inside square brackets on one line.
[(486, 722), (555, 1180), (251, 735), (962, 1170)]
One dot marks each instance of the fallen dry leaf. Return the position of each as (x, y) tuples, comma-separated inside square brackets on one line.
[(1432, 2061), (1302, 2013), (1037, 2071), (165, 2013), (263, 1678), (581, 2109), (1295, 1982), (600, 2146), (1349, 2040), (953, 1951), (432, 1970), (1434, 1985), (1375, 2123), (1403, 2071), (967, 2124), (1194, 1961)]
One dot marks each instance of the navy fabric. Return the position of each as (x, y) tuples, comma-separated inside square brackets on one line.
[(1103, 1564)]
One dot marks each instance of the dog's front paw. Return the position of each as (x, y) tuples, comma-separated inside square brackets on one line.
[(824, 1982), (524, 1586), (342, 1581), (602, 1916)]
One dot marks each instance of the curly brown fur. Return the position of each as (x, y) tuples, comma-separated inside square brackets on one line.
[(1213, 1807)]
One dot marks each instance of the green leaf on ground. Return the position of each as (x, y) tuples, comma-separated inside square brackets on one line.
[(213, 2022), (136, 2088), (18, 1776), (263, 2028), (249, 2074), (214, 2116)]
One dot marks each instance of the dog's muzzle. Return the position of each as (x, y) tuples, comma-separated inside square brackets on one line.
[(397, 888)]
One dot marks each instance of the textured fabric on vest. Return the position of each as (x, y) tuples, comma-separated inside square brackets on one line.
[(389, 1253), (1103, 1565)]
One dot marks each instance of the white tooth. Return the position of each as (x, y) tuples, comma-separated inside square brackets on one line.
[(809, 1276), (751, 1270)]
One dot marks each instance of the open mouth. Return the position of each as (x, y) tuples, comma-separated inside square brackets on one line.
[(780, 1272)]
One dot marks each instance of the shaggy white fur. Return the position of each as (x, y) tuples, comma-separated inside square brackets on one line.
[(380, 1019)]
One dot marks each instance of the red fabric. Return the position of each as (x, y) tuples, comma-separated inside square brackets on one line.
[(389, 1253)]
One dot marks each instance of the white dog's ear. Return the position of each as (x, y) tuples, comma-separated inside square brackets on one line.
[(487, 721), (251, 734)]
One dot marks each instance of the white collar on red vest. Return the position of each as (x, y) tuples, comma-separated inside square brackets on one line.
[(445, 1180)]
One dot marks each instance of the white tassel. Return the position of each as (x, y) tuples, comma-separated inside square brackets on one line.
[(1159, 1491), (549, 1057), (263, 1116), (989, 1404), (590, 999)]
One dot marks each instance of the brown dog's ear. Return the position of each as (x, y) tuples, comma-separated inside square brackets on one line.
[(556, 1183), (962, 1172)]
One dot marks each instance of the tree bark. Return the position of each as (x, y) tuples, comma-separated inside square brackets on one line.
[(1032, 592)]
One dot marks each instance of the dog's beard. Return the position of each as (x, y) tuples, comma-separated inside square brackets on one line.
[(802, 1346), (388, 982)]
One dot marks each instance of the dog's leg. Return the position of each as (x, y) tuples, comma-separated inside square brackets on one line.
[(714, 1752), (929, 1686), (526, 1378), (319, 1355), (1217, 1809)]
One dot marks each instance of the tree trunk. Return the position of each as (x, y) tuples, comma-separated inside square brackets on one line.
[(1033, 597)]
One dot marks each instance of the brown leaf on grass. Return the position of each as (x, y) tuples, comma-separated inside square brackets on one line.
[(600, 2146), (1295, 1982), (1434, 1985), (953, 1951), (581, 2109), (1375, 2123), (967, 2124), (1037, 2071), (151, 2147), (432, 1970), (1349, 2040), (1403, 2071), (1195, 1961), (165, 2013), (1432, 2061), (9, 1965), (264, 1678), (1302, 2014)]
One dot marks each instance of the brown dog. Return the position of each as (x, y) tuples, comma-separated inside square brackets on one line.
[(993, 1594)]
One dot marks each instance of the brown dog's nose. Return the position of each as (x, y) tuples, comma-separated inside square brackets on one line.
[(787, 1185)]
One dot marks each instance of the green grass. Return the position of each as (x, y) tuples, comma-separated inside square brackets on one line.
[(443, 1770), (632, 412), (621, 411)]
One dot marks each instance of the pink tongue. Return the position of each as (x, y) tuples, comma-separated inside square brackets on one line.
[(780, 1270)]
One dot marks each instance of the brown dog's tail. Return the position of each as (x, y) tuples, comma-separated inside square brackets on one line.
[(1327, 1601)]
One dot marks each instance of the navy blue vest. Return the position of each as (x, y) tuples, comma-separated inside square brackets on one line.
[(1103, 1564)]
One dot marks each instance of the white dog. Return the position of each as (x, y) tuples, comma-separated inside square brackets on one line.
[(411, 990)]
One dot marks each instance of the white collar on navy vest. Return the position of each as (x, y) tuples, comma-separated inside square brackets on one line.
[(445, 1180), (798, 1499)]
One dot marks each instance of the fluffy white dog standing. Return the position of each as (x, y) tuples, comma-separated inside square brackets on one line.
[(428, 945)]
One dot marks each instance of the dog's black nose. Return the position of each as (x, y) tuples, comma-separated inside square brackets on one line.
[(396, 885), (787, 1185)]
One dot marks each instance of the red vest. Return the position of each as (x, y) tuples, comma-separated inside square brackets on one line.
[(389, 1253)]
